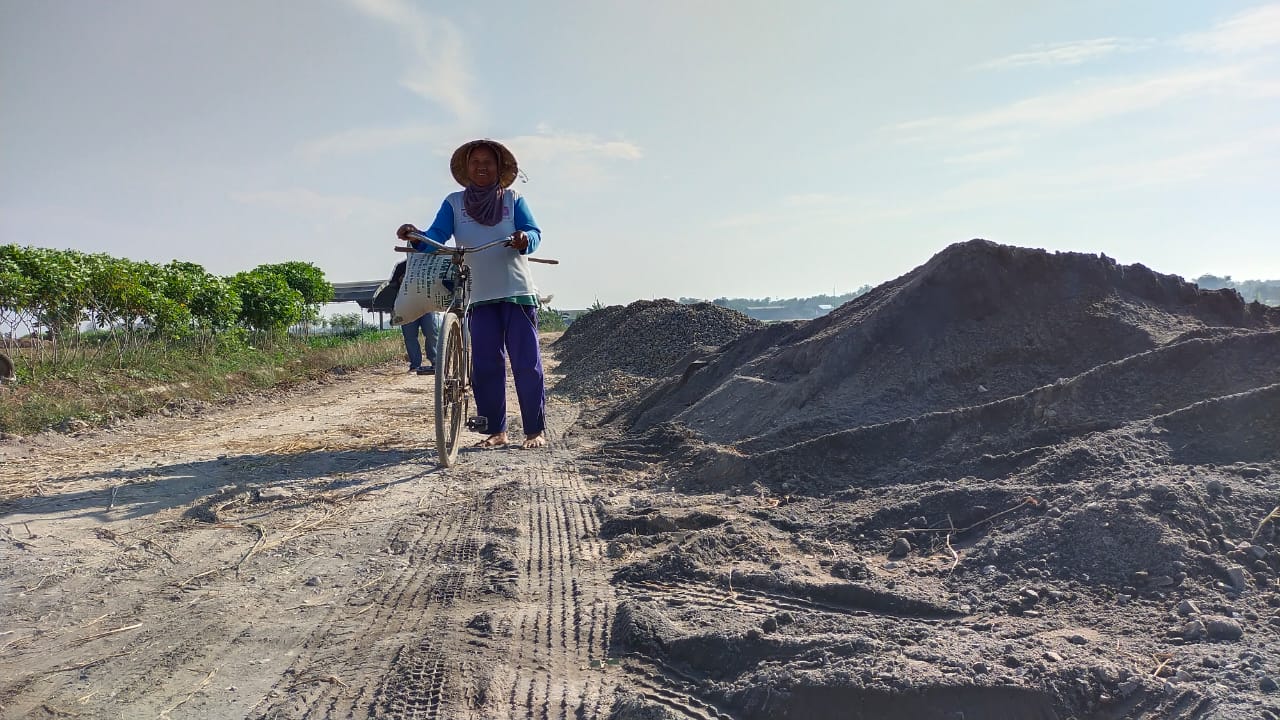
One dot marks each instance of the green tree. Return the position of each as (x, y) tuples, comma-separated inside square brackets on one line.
[(267, 303), (308, 280)]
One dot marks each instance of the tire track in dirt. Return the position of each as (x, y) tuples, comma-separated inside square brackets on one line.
[(380, 655), (416, 653), (557, 665)]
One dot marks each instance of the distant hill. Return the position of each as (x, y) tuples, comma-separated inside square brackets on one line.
[(770, 308), (1263, 291)]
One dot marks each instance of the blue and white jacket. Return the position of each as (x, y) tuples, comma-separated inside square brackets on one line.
[(499, 273)]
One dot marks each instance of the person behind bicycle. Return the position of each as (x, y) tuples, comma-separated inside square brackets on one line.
[(504, 305)]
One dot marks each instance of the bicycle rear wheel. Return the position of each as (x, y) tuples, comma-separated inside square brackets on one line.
[(453, 398)]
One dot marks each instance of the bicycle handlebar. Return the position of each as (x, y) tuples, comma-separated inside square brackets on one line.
[(442, 249)]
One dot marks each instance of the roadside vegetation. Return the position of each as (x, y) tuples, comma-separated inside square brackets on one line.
[(1266, 292), (95, 338)]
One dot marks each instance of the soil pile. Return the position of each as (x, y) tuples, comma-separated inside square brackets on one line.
[(617, 350), (1007, 484), (977, 323)]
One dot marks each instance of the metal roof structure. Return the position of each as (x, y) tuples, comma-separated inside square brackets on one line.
[(359, 292)]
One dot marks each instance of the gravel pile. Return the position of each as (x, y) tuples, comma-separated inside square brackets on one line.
[(618, 350), (977, 323), (1009, 484)]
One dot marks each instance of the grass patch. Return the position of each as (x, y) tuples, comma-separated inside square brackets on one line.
[(80, 386)]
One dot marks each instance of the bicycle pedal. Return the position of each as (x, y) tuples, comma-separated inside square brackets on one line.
[(479, 424)]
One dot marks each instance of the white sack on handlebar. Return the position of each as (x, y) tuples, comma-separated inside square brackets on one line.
[(427, 287)]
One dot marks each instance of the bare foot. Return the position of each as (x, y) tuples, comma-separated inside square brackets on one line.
[(493, 441), (534, 441)]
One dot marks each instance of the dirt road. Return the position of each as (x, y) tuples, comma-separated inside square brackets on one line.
[(302, 556)]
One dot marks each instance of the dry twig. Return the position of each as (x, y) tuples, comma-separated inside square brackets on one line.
[(317, 677), (83, 640), (84, 665), (1273, 515), (197, 576), (152, 543), (1028, 501), (262, 537), (203, 684), (955, 557), (40, 582)]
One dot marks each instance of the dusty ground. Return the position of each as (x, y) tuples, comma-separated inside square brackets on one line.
[(302, 555), (1009, 484)]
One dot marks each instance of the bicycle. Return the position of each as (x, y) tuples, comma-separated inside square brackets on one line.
[(453, 349)]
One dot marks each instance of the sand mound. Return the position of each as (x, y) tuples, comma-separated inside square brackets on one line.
[(977, 323), (1078, 459), (617, 350)]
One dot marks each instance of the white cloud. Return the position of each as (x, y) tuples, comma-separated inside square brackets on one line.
[(1089, 103), (572, 157), (1248, 152), (438, 72), (1067, 53), (1254, 29), (549, 144), (979, 157)]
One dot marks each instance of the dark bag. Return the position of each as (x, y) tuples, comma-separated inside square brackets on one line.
[(384, 298)]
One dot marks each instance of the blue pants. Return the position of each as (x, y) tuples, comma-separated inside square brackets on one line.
[(429, 324), (499, 330)]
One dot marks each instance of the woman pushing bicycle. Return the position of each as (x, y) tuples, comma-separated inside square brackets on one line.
[(503, 317)]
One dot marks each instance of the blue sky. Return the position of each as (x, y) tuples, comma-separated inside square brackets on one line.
[(690, 148)]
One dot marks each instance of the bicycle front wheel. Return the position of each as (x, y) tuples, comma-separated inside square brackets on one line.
[(453, 397)]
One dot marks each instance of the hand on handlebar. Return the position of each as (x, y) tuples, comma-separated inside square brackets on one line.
[(404, 230), (519, 241)]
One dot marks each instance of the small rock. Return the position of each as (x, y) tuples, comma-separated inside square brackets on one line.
[(1237, 578), (1162, 581), (1078, 640), (482, 623), (1267, 684), (1052, 656), (769, 625), (981, 668), (1188, 607), (1054, 512), (1193, 630), (901, 547), (1258, 552), (269, 494), (1029, 596), (1128, 687), (1220, 628), (1141, 577), (784, 618), (1012, 661), (1183, 676), (313, 581)]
